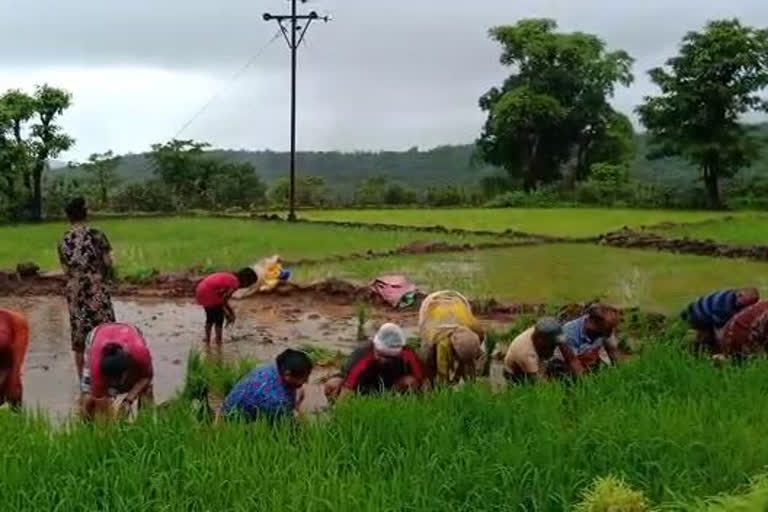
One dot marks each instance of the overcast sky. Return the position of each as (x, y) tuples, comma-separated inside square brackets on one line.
[(381, 75)]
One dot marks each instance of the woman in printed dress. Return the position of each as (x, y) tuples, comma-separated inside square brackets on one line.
[(85, 255)]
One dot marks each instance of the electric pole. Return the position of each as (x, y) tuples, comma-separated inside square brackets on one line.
[(294, 39)]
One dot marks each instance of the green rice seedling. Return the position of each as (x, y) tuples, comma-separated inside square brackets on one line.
[(321, 356), (573, 222), (213, 376), (755, 499), (180, 243), (362, 320), (612, 494), (672, 426), (560, 274)]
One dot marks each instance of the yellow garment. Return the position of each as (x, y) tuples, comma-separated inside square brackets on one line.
[(268, 272), (440, 314)]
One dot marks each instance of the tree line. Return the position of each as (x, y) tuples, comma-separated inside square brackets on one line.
[(550, 129), (551, 120)]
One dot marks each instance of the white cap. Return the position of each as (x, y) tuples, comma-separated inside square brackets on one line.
[(389, 340)]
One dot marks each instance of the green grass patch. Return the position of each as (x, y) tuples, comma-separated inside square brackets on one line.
[(574, 222), (667, 424), (654, 281), (165, 244), (751, 230)]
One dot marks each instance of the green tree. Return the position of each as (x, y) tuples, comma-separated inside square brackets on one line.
[(612, 141), (310, 191), (26, 148), (16, 108), (706, 90), (238, 185), (371, 190), (180, 165), (555, 105), (101, 170), (47, 140)]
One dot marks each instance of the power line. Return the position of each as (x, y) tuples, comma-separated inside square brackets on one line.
[(229, 83)]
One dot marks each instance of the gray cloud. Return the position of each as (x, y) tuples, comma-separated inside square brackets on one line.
[(381, 75)]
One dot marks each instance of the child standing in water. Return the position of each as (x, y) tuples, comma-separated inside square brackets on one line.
[(214, 292)]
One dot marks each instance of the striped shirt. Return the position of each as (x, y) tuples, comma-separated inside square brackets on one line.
[(713, 310)]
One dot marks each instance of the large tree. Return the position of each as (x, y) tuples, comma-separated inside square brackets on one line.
[(29, 136), (47, 140), (554, 107), (706, 90), (180, 165), (202, 180), (101, 170)]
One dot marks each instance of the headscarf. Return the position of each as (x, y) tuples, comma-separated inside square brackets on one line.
[(389, 340), (465, 343)]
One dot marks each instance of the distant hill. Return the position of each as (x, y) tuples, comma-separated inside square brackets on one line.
[(441, 165), (415, 168)]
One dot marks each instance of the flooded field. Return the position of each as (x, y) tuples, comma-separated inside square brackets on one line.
[(172, 328)]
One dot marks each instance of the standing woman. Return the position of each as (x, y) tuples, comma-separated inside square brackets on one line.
[(86, 259)]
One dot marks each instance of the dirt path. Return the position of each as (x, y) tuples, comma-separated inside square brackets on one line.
[(174, 327)]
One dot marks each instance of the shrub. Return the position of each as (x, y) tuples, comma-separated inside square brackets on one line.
[(148, 196), (611, 494)]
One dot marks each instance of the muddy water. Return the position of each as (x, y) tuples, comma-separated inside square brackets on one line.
[(264, 328)]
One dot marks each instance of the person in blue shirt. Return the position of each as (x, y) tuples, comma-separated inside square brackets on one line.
[(710, 313), (590, 339), (272, 391)]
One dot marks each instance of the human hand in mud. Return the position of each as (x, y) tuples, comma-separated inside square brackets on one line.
[(229, 316), (125, 408)]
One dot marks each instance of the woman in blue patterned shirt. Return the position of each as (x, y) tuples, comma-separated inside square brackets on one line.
[(271, 391)]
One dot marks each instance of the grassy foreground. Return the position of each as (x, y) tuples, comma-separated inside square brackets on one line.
[(655, 281), (670, 425), (575, 222), (179, 243)]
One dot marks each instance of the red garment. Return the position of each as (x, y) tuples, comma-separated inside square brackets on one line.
[(364, 375), (747, 330), (215, 289), (14, 335), (132, 341)]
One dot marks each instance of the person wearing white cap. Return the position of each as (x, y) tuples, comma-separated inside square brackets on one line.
[(383, 365), (529, 353)]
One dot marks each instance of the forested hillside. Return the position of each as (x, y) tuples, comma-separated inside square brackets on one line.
[(419, 168)]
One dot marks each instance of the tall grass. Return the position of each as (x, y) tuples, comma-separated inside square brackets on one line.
[(669, 425)]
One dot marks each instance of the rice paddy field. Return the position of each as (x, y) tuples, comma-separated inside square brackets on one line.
[(571, 222), (665, 430), (750, 230), (179, 243), (561, 273)]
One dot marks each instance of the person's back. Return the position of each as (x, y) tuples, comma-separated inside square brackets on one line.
[(521, 358), (14, 340), (746, 331), (129, 338), (260, 392), (367, 374), (713, 310), (447, 328), (271, 390)]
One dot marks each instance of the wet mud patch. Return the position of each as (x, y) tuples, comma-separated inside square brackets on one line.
[(174, 327)]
